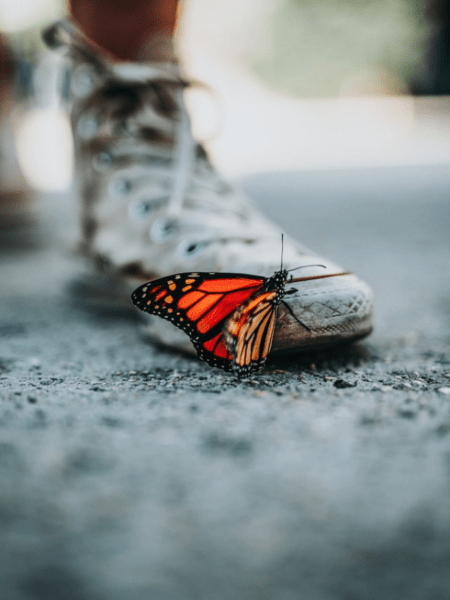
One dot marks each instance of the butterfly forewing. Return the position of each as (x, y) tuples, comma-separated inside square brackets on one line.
[(200, 304)]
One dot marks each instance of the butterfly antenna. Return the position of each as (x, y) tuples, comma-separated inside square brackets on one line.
[(298, 279), (305, 266), (282, 248)]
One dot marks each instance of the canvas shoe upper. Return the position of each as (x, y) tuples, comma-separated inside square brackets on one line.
[(152, 204)]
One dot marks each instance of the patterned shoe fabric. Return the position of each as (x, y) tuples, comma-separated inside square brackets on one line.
[(152, 204)]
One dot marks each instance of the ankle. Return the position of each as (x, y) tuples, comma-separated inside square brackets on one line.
[(129, 26)]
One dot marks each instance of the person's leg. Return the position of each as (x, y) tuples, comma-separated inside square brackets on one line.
[(122, 27)]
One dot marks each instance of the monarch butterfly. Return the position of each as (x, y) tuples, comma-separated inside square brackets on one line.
[(229, 317)]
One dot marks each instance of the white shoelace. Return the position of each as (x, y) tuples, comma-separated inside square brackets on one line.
[(184, 162), (175, 181)]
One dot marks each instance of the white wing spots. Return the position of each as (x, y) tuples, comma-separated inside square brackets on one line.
[(145, 289), (177, 276)]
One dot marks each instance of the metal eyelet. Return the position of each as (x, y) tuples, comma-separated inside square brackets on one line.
[(120, 188), (82, 80), (102, 161), (140, 209), (163, 230), (87, 127), (191, 248)]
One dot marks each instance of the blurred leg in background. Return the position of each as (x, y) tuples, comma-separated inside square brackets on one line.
[(123, 27)]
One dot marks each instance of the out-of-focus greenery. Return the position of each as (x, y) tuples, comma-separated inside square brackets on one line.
[(314, 47)]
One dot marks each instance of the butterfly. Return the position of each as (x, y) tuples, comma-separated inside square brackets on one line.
[(229, 317)]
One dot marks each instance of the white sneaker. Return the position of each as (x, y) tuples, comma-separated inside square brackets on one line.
[(153, 205)]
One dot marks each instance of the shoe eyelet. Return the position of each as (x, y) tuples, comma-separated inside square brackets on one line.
[(140, 209), (163, 230), (102, 161), (191, 248), (82, 80), (87, 127), (119, 188)]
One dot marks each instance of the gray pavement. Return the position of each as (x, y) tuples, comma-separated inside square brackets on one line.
[(131, 473)]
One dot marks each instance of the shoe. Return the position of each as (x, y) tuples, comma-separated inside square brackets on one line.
[(153, 205)]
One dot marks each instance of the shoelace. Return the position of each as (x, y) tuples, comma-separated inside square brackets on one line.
[(187, 186)]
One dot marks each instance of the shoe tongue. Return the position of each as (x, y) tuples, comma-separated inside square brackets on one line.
[(158, 49)]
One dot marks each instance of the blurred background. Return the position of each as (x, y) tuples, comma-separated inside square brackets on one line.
[(296, 85), (334, 116)]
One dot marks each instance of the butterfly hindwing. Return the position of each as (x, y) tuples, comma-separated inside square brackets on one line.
[(200, 304), (249, 332), (215, 352)]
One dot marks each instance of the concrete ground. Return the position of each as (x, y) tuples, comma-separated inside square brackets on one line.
[(131, 473)]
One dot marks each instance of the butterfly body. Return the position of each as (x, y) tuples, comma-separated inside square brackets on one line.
[(229, 317)]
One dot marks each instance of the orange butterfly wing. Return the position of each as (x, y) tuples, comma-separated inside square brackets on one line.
[(200, 304), (249, 332)]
